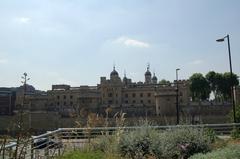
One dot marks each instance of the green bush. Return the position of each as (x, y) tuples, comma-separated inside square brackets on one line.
[(139, 143), (237, 114), (184, 142), (104, 143), (173, 143), (146, 141), (211, 134), (83, 155), (235, 133), (229, 152)]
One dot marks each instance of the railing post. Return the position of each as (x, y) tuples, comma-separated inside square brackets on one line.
[(47, 148), (10, 153), (3, 149), (32, 147), (59, 137), (89, 135)]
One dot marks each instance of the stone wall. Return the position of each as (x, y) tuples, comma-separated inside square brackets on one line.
[(41, 122)]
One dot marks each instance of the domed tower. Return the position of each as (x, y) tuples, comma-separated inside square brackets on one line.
[(148, 75), (154, 79), (114, 74)]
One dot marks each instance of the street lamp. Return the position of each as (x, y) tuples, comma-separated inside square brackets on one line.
[(177, 106), (230, 63), (24, 81)]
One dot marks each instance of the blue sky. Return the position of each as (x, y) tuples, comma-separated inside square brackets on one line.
[(75, 42)]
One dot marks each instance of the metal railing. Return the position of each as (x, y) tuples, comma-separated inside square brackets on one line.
[(57, 142)]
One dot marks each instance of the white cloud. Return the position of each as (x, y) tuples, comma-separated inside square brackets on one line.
[(3, 61), (196, 62), (131, 42), (23, 20)]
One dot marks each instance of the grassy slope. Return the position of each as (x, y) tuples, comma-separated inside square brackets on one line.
[(83, 155)]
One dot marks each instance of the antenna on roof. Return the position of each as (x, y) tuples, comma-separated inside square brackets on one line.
[(148, 66), (114, 65)]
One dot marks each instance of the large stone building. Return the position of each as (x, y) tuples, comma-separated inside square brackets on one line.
[(7, 101), (72, 100), (136, 99), (31, 99), (147, 98), (48, 110)]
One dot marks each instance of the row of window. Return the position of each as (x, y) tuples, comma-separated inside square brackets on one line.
[(127, 102), (109, 95), (116, 102), (65, 97), (134, 101), (65, 103), (126, 95)]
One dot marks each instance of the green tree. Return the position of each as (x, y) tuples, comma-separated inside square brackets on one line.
[(164, 82), (215, 81), (211, 78), (224, 83), (227, 82), (220, 84), (199, 87)]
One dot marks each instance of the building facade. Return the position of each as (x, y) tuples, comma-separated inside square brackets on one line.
[(135, 99), (73, 100), (7, 101)]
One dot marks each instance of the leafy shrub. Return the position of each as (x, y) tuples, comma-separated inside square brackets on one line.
[(103, 143), (211, 134), (184, 142), (235, 133), (156, 148), (83, 155), (138, 143), (229, 152), (146, 141), (237, 114), (173, 143)]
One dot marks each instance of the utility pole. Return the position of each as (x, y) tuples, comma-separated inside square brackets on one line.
[(177, 106), (24, 81), (230, 64)]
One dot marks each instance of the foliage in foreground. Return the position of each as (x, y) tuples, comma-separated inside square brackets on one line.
[(229, 152), (235, 133), (184, 142), (84, 155), (237, 114), (147, 142)]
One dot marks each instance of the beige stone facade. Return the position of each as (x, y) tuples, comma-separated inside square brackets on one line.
[(66, 99), (136, 99)]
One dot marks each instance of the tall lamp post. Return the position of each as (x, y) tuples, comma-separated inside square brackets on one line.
[(24, 81), (177, 106), (230, 63)]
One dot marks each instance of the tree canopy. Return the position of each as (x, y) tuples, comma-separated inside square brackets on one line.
[(199, 87), (164, 82), (218, 83)]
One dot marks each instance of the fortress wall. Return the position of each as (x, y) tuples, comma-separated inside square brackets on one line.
[(47, 121)]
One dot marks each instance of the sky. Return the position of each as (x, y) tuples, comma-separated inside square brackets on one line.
[(76, 42)]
